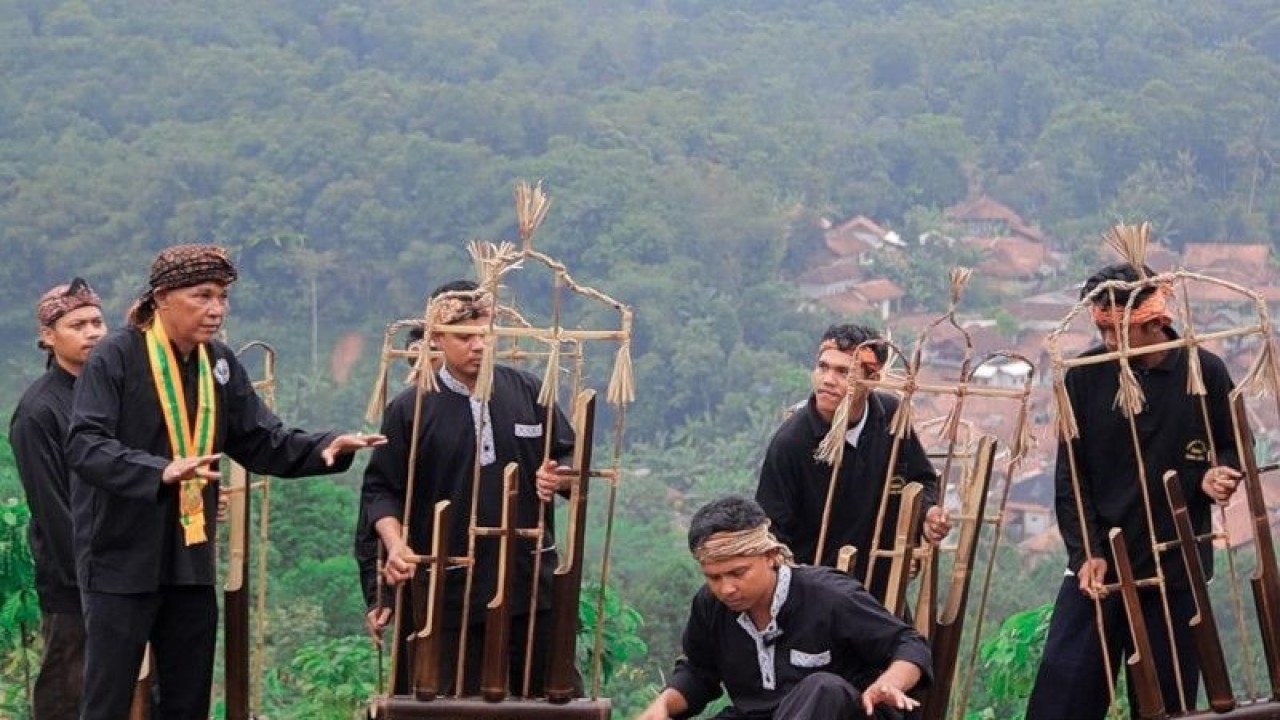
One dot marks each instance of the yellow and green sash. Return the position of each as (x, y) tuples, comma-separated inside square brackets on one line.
[(184, 439)]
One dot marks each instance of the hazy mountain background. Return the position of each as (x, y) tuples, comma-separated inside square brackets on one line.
[(346, 151)]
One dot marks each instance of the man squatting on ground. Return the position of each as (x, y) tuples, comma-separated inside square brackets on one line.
[(785, 642)]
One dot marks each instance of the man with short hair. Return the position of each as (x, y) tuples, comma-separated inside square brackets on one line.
[(785, 642), (459, 433), (1071, 683), (155, 408), (70, 323), (793, 485)]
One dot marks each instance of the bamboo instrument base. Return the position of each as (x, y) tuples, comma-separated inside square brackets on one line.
[(400, 707), (1260, 710)]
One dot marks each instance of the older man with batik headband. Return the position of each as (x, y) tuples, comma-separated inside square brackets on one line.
[(784, 642), (1175, 432), (69, 318), (793, 485), (157, 405)]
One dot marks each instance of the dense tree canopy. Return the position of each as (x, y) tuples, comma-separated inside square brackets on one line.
[(346, 151)]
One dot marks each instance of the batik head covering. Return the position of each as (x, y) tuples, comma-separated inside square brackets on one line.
[(62, 299), (181, 266)]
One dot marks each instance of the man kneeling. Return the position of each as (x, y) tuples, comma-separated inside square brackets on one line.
[(784, 641)]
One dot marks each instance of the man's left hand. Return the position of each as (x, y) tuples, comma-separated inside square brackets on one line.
[(350, 442), (1220, 483), (887, 694)]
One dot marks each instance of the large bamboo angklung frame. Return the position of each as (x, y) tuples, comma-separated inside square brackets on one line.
[(971, 462), (1221, 689), (555, 346), (243, 661)]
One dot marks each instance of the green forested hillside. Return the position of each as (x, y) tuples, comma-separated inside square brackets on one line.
[(347, 150)]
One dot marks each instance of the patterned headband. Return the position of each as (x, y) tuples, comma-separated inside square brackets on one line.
[(62, 299)]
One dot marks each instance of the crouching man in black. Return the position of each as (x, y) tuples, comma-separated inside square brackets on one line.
[(784, 641)]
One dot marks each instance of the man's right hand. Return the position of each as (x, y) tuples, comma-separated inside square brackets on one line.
[(375, 621), (190, 468), (397, 569), (1092, 576)]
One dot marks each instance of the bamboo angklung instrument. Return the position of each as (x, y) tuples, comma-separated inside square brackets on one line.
[(497, 619), (500, 699), (428, 652), (1261, 377), (945, 638), (1146, 684), (1204, 629), (1265, 580), (567, 583), (240, 675), (910, 509)]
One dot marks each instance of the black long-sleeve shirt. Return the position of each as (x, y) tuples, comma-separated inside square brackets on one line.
[(1172, 434), (443, 471), (38, 432), (793, 485), (127, 535), (828, 623)]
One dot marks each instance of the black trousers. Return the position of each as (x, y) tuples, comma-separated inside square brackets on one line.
[(181, 622), (820, 696), (1071, 683), (475, 656), (60, 682)]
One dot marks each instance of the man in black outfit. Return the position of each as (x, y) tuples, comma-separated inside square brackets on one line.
[(785, 643), (154, 409), (458, 436), (793, 485), (1071, 683), (71, 324)]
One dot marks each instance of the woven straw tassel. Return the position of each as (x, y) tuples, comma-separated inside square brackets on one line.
[(959, 278), (1064, 414), (1129, 397), (484, 381), (551, 378), (1261, 380), (1195, 378), (1131, 241), (622, 384), (831, 449), (378, 399), (1023, 438)]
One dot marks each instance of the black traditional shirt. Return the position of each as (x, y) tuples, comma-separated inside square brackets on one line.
[(443, 470), (127, 535), (793, 485), (38, 432), (825, 622), (1172, 435)]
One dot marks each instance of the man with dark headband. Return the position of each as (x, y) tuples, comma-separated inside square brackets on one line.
[(70, 324), (793, 485), (458, 434), (157, 405), (785, 642), (1072, 683)]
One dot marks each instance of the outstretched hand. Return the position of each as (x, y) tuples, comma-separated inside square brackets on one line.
[(348, 443)]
